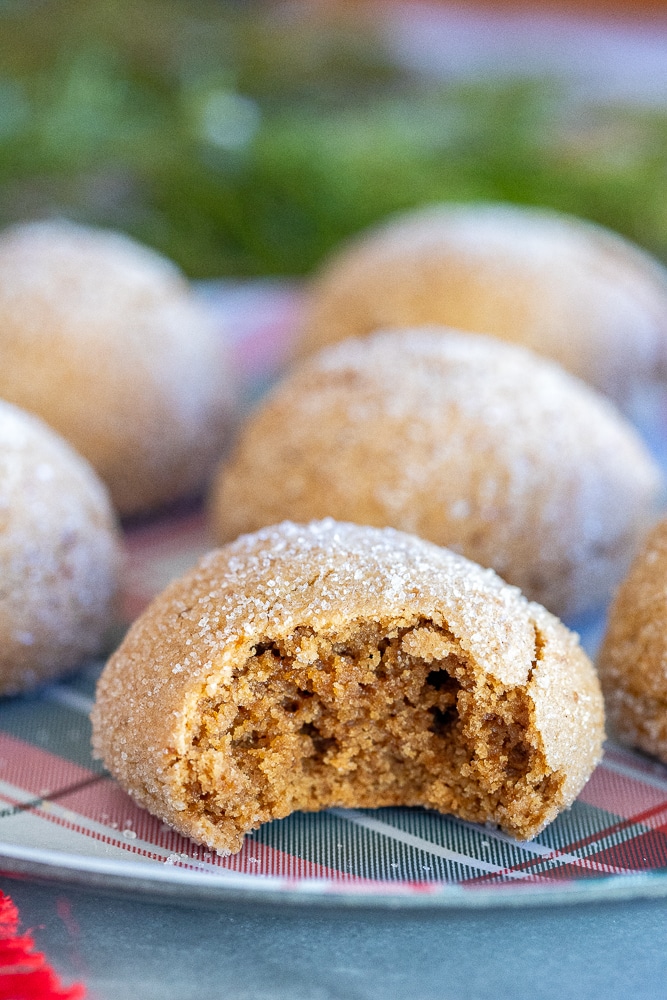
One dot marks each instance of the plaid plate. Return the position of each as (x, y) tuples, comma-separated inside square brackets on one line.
[(54, 796)]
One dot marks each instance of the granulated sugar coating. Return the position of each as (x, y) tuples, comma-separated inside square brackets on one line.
[(103, 339), (461, 439), (561, 286), (633, 659), (59, 554), (328, 664)]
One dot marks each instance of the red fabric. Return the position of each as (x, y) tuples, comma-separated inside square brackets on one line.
[(25, 973)]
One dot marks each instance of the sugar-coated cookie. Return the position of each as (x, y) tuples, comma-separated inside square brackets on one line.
[(462, 439), (59, 554), (328, 664), (103, 339), (632, 662), (563, 287)]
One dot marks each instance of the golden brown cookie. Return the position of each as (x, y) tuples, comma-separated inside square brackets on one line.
[(565, 288), (59, 554), (103, 339), (465, 440), (309, 666), (632, 662)]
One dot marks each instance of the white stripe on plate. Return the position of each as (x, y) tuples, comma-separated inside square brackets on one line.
[(119, 838), (393, 832), (548, 853), (69, 698)]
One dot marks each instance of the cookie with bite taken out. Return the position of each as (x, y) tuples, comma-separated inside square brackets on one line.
[(328, 664)]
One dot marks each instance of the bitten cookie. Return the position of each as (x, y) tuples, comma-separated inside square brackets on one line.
[(59, 554), (632, 662), (103, 339), (334, 665), (462, 439), (561, 286)]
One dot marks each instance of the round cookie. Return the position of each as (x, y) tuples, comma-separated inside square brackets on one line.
[(565, 288), (462, 439), (309, 666), (632, 662), (59, 554), (103, 339)]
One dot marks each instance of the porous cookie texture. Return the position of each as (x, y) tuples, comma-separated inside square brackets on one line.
[(329, 664), (632, 662), (104, 340), (59, 554), (464, 440), (561, 286)]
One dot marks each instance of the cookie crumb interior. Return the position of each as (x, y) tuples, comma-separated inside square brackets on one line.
[(387, 717)]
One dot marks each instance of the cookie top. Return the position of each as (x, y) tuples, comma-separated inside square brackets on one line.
[(561, 286), (59, 554), (467, 441), (298, 616), (632, 661), (104, 340)]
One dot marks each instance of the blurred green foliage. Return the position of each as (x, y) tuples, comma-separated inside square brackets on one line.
[(246, 139)]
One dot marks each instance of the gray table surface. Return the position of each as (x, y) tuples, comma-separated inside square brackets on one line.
[(124, 948)]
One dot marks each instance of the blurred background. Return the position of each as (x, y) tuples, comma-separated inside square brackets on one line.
[(247, 139)]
